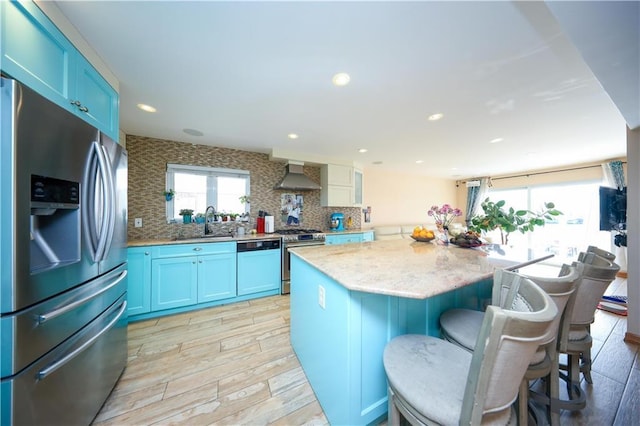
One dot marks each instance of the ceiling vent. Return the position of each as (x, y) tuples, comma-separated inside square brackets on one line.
[(295, 179)]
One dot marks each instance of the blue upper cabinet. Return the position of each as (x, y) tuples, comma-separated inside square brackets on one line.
[(95, 100), (37, 54)]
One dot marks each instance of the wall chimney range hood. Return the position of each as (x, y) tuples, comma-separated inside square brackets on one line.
[(295, 179)]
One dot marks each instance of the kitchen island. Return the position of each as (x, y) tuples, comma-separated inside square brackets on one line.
[(348, 301)]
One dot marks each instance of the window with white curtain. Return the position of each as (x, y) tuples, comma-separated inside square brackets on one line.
[(197, 187), (568, 234)]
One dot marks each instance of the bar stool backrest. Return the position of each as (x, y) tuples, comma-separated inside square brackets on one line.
[(507, 341)]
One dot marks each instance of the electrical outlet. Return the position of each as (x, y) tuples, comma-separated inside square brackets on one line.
[(137, 222), (321, 298)]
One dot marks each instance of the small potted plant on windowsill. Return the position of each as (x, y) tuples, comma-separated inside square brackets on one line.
[(200, 218), (168, 195), (186, 215)]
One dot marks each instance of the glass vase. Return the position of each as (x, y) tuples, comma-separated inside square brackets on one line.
[(443, 235)]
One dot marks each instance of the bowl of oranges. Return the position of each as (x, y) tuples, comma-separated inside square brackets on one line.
[(422, 234)]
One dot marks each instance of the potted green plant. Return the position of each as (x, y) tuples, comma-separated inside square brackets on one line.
[(200, 218), (508, 220), (168, 195), (186, 215), (245, 199)]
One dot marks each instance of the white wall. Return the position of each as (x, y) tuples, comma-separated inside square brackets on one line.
[(398, 199), (633, 234)]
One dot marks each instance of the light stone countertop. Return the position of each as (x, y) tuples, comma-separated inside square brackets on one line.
[(200, 240), (346, 231), (411, 269), (246, 237)]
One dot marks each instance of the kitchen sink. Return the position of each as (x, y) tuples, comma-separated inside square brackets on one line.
[(221, 237), (218, 236)]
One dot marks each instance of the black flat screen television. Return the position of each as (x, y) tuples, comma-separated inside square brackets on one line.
[(613, 209)]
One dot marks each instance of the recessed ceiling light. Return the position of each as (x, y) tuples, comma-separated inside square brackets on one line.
[(377, 163), (293, 136), (419, 161), (362, 150), (496, 140), (341, 79), (193, 132), (435, 117), (147, 108)]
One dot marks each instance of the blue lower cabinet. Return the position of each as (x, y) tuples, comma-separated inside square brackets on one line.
[(174, 278), (216, 277), (174, 282), (346, 238), (139, 280), (258, 271)]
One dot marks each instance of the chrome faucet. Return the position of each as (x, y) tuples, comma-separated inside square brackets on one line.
[(206, 219)]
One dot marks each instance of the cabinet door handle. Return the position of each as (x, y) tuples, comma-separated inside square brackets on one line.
[(80, 106), (200, 261), (194, 262), (197, 249), (146, 253)]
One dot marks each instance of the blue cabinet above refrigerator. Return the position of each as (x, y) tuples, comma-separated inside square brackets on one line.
[(36, 53)]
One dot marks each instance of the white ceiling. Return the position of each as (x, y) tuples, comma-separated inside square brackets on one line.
[(246, 74)]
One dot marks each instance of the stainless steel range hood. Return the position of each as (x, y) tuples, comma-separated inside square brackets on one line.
[(295, 179)]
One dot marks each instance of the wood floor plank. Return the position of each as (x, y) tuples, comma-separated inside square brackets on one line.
[(271, 409), (167, 407), (615, 359), (629, 411), (603, 399), (225, 406), (124, 400), (285, 381), (260, 372), (252, 334), (308, 415), (606, 321)]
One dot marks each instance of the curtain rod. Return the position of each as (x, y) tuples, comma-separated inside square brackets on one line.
[(541, 173)]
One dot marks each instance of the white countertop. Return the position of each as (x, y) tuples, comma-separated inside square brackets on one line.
[(411, 269)]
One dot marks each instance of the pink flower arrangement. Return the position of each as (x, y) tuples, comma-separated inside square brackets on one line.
[(444, 215)]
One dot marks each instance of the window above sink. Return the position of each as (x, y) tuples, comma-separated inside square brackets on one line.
[(197, 187)]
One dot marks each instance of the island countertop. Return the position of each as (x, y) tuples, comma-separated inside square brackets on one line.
[(412, 269)]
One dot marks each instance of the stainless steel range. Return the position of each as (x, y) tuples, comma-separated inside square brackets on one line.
[(296, 237)]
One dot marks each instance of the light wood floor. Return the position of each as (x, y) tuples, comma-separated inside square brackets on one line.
[(234, 364)]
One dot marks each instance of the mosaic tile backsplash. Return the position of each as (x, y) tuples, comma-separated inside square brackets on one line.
[(148, 158)]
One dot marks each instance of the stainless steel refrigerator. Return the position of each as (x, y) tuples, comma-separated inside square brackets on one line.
[(63, 235)]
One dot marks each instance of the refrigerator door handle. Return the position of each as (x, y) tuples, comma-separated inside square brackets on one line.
[(88, 203), (42, 374), (96, 173), (42, 318), (105, 175), (110, 203)]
